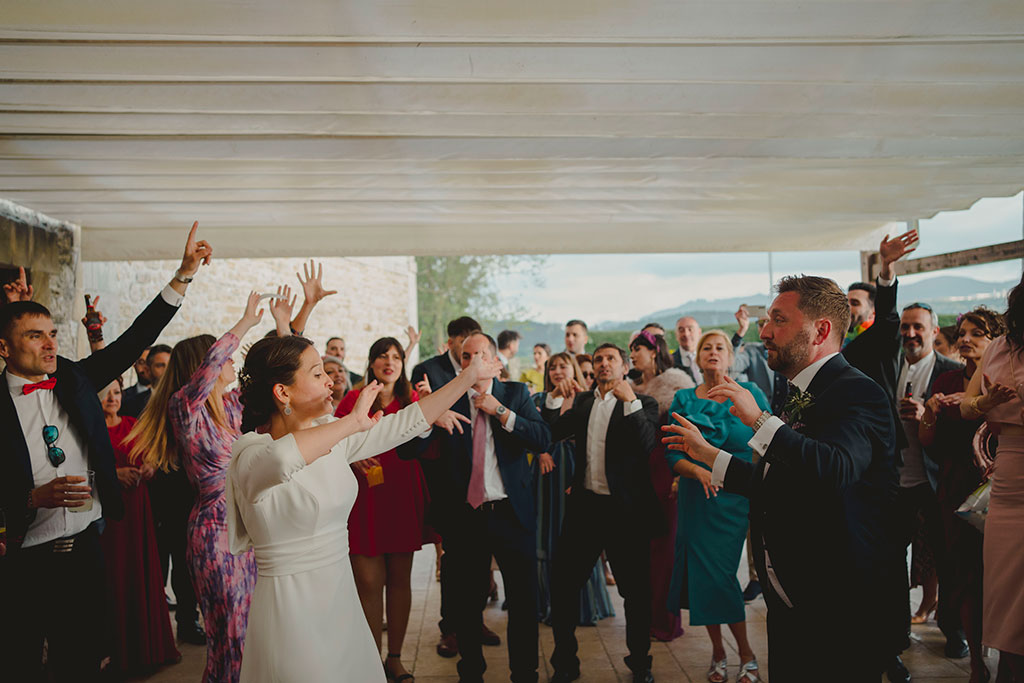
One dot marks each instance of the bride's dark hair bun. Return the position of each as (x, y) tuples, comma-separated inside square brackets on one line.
[(270, 361)]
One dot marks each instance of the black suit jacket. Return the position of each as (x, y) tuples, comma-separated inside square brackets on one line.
[(628, 445), (876, 351), (826, 507), (438, 369), (450, 457), (133, 401), (76, 391), (677, 360)]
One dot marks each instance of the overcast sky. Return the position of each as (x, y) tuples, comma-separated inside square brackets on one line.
[(623, 287)]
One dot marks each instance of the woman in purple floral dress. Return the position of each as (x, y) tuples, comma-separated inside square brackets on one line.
[(191, 421)]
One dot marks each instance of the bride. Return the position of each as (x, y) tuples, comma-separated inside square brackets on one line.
[(289, 493)]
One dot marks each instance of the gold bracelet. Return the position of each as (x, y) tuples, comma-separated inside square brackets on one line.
[(973, 405), (926, 424)]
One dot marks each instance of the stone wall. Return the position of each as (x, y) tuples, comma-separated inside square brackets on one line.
[(50, 250), (376, 297)]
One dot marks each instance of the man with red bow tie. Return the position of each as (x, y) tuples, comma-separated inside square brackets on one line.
[(51, 574)]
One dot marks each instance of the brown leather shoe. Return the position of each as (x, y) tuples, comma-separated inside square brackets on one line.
[(448, 646), (489, 637)]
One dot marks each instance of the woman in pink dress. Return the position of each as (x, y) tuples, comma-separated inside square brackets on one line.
[(996, 393), (387, 524)]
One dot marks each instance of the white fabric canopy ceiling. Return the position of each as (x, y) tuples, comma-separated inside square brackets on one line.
[(461, 126)]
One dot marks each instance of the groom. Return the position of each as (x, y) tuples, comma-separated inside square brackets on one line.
[(821, 496)]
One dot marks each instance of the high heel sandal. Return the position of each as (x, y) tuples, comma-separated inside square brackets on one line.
[(718, 672), (748, 673)]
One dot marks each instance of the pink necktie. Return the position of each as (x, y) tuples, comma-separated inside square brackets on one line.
[(476, 493)]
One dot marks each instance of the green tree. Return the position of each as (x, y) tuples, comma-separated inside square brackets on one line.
[(452, 286)]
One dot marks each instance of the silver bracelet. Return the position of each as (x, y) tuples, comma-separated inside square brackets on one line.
[(183, 279), (761, 419)]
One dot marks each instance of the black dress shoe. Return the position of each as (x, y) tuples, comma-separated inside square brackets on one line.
[(643, 677), (957, 649), (448, 647), (563, 677), (897, 671), (191, 633), (752, 590), (489, 637)]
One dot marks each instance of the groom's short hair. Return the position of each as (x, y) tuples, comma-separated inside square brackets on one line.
[(820, 297)]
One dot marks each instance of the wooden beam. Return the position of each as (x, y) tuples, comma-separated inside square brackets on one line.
[(1007, 251)]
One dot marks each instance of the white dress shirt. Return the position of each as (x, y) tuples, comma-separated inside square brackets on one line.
[(595, 479), (689, 359), (36, 410), (913, 473), (494, 487), (759, 444)]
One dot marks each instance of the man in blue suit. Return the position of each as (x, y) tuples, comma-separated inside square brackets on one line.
[(489, 509), (52, 577), (822, 496)]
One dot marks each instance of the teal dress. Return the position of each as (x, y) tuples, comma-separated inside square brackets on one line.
[(710, 532)]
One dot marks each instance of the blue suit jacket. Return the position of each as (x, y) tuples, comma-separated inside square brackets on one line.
[(454, 457), (826, 508)]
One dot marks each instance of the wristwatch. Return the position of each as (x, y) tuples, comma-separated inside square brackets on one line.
[(761, 419), (500, 410), (184, 279)]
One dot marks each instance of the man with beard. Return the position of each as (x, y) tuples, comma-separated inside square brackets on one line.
[(822, 494), (919, 326)]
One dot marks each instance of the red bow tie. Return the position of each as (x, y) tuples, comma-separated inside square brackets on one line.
[(45, 384)]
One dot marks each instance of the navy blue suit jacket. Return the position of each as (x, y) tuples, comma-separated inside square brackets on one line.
[(454, 456), (826, 507), (77, 386)]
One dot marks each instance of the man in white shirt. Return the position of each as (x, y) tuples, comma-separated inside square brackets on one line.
[(919, 506), (688, 333), (822, 495), (487, 508), (53, 581), (611, 506)]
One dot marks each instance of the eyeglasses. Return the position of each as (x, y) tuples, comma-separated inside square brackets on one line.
[(53, 453), (918, 304)]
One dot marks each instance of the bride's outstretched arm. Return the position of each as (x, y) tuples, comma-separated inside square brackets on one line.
[(318, 441)]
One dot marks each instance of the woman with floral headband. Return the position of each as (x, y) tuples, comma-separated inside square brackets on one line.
[(712, 526)]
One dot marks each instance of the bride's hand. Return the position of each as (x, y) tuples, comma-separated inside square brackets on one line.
[(361, 410)]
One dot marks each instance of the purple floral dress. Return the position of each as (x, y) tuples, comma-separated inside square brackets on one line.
[(224, 582)]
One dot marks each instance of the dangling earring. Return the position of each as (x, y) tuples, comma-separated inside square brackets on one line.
[(287, 409)]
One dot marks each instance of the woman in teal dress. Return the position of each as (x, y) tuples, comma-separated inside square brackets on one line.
[(712, 525), (554, 473)]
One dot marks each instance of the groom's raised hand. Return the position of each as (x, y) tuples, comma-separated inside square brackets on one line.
[(743, 404), (892, 250)]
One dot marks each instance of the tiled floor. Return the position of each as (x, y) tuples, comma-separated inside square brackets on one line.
[(601, 648)]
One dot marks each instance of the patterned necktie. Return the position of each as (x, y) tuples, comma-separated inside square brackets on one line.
[(476, 493)]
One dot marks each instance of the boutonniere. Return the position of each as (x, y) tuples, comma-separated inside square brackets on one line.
[(793, 411)]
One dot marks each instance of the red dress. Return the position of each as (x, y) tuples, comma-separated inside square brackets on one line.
[(389, 517), (142, 636)]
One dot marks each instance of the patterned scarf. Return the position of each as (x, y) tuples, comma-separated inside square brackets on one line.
[(857, 331)]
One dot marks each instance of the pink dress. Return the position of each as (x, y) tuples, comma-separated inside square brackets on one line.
[(1003, 618), (224, 582), (389, 517)]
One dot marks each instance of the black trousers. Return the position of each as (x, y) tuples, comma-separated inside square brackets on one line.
[(171, 497), (811, 643), (918, 506), (59, 597), (476, 535), (594, 523)]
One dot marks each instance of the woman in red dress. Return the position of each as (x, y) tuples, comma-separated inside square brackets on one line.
[(142, 637), (387, 524)]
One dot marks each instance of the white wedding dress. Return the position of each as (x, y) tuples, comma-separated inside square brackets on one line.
[(306, 623)]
